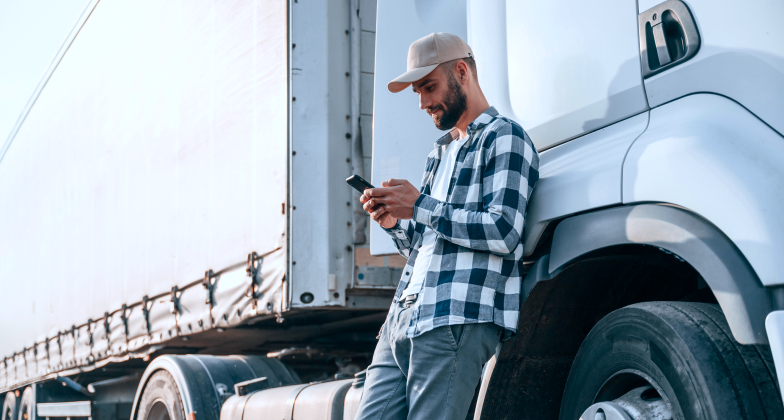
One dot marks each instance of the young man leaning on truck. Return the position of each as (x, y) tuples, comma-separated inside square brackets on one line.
[(460, 290)]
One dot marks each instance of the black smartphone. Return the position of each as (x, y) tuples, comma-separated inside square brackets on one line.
[(358, 183)]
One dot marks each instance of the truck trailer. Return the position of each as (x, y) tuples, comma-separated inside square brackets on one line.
[(180, 165), (180, 174)]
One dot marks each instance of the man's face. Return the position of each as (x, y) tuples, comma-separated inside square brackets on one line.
[(442, 97)]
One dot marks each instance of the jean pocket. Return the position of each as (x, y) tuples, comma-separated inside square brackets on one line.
[(455, 333)]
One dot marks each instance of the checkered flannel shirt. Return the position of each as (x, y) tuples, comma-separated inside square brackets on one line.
[(474, 275)]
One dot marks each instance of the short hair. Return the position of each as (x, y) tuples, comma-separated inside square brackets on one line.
[(469, 62)]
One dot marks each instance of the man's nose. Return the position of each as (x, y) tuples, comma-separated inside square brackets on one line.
[(424, 101)]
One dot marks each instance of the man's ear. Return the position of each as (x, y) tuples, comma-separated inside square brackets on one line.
[(462, 71)]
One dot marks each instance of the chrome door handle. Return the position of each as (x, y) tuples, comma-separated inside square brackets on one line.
[(668, 36), (660, 40)]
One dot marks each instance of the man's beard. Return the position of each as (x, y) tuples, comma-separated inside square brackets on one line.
[(454, 105)]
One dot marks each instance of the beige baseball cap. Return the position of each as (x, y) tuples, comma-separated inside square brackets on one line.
[(425, 54)]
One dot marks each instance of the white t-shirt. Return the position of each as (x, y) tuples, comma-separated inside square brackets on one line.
[(438, 191)]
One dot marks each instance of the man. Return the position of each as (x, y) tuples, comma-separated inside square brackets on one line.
[(460, 291)]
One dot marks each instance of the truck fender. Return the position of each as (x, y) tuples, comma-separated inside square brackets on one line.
[(183, 375), (205, 382), (729, 275)]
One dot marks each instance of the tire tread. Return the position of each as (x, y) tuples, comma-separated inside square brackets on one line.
[(759, 370), (725, 350), (721, 378)]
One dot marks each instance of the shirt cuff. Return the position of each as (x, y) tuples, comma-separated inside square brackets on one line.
[(396, 231), (424, 208)]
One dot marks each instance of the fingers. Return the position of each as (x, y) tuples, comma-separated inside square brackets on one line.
[(393, 182), (371, 204), (363, 198), (374, 192), (375, 208), (378, 213), (377, 192)]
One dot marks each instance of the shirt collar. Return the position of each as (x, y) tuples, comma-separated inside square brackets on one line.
[(482, 120)]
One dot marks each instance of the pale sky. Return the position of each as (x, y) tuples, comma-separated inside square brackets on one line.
[(31, 33)]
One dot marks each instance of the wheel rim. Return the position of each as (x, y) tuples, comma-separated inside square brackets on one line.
[(637, 394), (159, 411)]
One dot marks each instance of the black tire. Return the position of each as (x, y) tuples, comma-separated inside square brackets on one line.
[(10, 407), (26, 410), (161, 399), (686, 350)]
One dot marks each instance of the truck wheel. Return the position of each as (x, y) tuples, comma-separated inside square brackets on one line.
[(26, 410), (676, 355), (9, 406), (161, 399)]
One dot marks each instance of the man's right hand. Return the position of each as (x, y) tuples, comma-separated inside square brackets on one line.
[(377, 211)]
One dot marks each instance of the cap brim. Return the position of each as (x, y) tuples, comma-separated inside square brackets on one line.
[(404, 80)]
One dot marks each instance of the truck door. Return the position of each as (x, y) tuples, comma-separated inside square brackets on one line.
[(569, 73), (574, 66)]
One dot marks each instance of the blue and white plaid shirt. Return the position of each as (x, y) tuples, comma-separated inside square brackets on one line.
[(474, 274)]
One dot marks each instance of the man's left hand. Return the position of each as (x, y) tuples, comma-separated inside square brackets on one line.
[(397, 197)]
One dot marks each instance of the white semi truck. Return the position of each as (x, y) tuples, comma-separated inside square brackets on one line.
[(174, 140)]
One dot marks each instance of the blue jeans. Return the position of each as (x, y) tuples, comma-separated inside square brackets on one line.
[(432, 376)]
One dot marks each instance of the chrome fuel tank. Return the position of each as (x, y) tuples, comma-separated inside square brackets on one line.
[(333, 400)]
